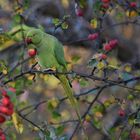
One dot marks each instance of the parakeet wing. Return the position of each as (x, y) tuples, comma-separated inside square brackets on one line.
[(59, 54)]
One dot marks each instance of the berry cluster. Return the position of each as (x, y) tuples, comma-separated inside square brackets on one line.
[(111, 45), (93, 36), (103, 56), (2, 135), (105, 4), (133, 4), (105, 1), (6, 109), (134, 136), (79, 12), (107, 47), (121, 112)]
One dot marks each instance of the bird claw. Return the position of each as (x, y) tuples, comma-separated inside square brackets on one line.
[(48, 70)]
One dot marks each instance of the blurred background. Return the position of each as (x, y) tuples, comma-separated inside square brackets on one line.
[(60, 18)]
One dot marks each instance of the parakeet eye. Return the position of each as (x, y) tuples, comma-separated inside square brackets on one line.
[(28, 40)]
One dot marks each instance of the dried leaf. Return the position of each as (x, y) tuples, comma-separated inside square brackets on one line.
[(94, 23), (17, 123)]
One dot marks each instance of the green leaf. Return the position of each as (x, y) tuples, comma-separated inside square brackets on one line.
[(47, 135), (50, 106), (53, 103), (17, 121), (59, 130), (83, 82), (22, 104), (13, 97), (97, 123), (112, 131), (21, 84), (75, 58), (66, 16), (125, 135), (17, 18), (56, 115), (26, 4), (120, 15), (94, 23), (11, 136), (97, 6), (56, 21), (92, 63), (101, 65), (9, 123), (98, 108), (64, 26), (82, 3), (3, 67)]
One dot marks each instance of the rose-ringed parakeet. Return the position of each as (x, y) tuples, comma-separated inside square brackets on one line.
[(50, 54)]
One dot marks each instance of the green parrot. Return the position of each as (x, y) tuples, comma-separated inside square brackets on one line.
[(18, 32), (50, 54)]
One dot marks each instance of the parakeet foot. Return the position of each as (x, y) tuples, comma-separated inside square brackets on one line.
[(49, 70)]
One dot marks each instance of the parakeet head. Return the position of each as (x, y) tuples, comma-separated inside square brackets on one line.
[(34, 36)]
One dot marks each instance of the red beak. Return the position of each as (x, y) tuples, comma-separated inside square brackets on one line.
[(28, 40)]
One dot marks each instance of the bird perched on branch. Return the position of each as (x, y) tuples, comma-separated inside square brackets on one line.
[(50, 54)]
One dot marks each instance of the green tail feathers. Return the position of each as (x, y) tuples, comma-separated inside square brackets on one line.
[(68, 90)]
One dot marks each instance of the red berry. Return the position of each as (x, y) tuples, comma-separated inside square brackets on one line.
[(28, 40), (121, 113), (5, 101), (107, 47), (10, 106), (2, 119), (9, 112), (105, 5), (32, 52), (3, 109), (79, 12), (93, 36), (6, 111), (105, 1), (137, 137), (1, 131), (6, 96), (2, 137), (133, 4), (12, 89), (4, 92), (113, 43), (134, 136), (103, 56)]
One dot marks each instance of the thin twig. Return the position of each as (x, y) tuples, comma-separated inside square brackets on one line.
[(23, 117), (111, 83), (87, 111)]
